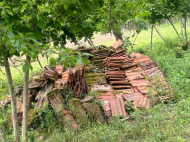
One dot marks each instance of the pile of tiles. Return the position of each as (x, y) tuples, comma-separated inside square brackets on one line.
[(74, 80), (99, 53), (120, 53), (131, 78), (125, 78)]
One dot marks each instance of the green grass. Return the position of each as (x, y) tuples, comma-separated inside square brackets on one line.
[(163, 122), (169, 123)]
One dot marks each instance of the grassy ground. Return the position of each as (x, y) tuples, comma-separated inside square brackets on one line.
[(163, 122)]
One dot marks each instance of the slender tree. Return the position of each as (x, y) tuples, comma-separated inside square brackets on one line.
[(159, 34), (152, 28)]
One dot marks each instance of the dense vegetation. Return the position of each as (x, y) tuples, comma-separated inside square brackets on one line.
[(25, 34)]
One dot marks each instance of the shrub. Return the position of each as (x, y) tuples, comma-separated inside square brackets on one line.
[(179, 52)]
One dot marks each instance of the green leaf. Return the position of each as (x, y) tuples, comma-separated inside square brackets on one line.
[(8, 7), (51, 52), (9, 12), (10, 35), (78, 59), (11, 51), (21, 35), (69, 63), (41, 25), (30, 33), (76, 52), (86, 61), (65, 64), (25, 67), (67, 50), (72, 58), (17, 43), (63, 58), (88, 54), (23, 7), (66, 6), (33, 39), (2, 23), (84, 24), (3, 14), (31, 67)]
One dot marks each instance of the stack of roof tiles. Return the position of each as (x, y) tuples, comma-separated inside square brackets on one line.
[(100, 54), (128, 79), (125, 79), (120, 53), (75, 81), (117, 46)]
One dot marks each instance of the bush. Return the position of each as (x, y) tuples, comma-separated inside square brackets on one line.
[(185, 45), (179, 52)]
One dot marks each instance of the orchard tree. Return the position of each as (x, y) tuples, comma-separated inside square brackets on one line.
[(170, 8), (184, 6), (28, 27), (116, 13), (155, 9)]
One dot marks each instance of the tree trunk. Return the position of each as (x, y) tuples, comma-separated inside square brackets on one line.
[(90, 42), (151, 37), (159, 34), (185, 28), (25, 103), (134, 43), (187, 22), (117, 35), (13, 99), (181, 22), (2, 135), (25, 96), (175, 29), (117, 32)]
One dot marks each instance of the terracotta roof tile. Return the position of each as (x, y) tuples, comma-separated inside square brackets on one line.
[(59, 69), (135, 55), (131, 97), (117, 107), (117, 44), (139, 82), (141, 102)]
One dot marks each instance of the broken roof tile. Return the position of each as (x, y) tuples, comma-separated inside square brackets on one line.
[(118, 107), (131, 97), (59, 69), (141, 102), (139, 82), (117, 44), (35, 84), (135, 55)]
